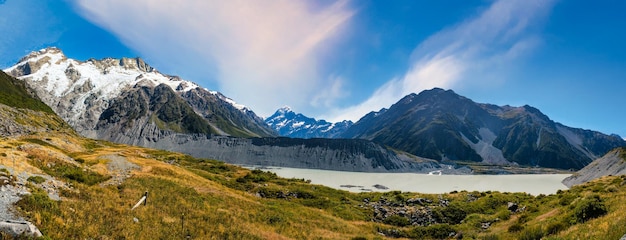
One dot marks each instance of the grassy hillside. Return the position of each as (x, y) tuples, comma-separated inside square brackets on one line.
[(13, 93), (207, 199)]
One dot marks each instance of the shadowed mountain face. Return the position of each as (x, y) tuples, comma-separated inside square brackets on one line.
[(443, 125)]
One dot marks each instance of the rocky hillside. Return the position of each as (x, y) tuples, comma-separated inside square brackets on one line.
[(611, 164), (21, 112), (442, 125), (290, 124), (82, 92), (331, 154)]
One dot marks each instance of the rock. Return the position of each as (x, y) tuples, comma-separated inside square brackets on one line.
[(378, 186), (511, 206), (485, 225), (17, 228)]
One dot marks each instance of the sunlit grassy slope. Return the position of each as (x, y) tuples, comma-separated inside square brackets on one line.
[(207, 199)]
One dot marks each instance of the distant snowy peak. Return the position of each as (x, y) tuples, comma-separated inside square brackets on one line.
[(290, 124)]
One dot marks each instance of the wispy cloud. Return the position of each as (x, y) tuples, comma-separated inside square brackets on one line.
[(457, 55), (261, 53)]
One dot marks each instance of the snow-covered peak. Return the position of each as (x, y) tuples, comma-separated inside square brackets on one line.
[(85, 88), (52, 52), (290, 124), (284, 110), (107, 76)]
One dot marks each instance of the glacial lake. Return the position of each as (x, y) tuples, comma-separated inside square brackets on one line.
[(534, 184)]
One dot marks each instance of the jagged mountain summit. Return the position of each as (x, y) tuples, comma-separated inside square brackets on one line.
[(295, 125), (443, 125), (100, 98)]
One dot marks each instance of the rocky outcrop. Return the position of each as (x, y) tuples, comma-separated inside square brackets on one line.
[(613, 163)]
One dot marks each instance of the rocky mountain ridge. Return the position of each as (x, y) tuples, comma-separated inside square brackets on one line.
[(290, 124), (443, 125), (80, 92)]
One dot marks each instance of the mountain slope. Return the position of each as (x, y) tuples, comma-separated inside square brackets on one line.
[(290, 124), (21, 112), (80, 92), (611, 164), (442, 125)]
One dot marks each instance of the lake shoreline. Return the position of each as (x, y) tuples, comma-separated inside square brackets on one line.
[(534, 184)]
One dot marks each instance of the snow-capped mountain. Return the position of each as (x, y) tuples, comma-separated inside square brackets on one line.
[(290, 124), (80, 92)]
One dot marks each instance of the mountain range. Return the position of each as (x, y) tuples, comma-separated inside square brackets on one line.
[(295, 125), (442, 125), (127, 101)]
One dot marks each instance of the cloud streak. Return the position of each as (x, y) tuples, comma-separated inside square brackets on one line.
[(262, 53), (455, 56)]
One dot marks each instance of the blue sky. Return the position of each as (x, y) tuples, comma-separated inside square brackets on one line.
[(341, 59)]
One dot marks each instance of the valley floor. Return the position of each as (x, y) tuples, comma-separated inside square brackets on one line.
[(98, 182)]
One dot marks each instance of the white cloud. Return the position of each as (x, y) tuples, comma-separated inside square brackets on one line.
[(456, 55), (261, 53), (328, 95)]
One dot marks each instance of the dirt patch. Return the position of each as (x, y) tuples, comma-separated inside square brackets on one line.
[(119, 168), (549, 214)]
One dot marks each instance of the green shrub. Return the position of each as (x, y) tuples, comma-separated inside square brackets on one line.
[(566, 199), (516, 227), (257, 176), (452, 214), (435, 231), (504, 214), (36, 179), (320, 203), (589, 208), (396, 220), (531, 234), (555, 227), (491, 237)]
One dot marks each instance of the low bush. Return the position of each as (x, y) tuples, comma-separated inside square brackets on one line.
[(516, 228), (589, 208), (36, 179), (396, 220), (532, 234), (556, 227)]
